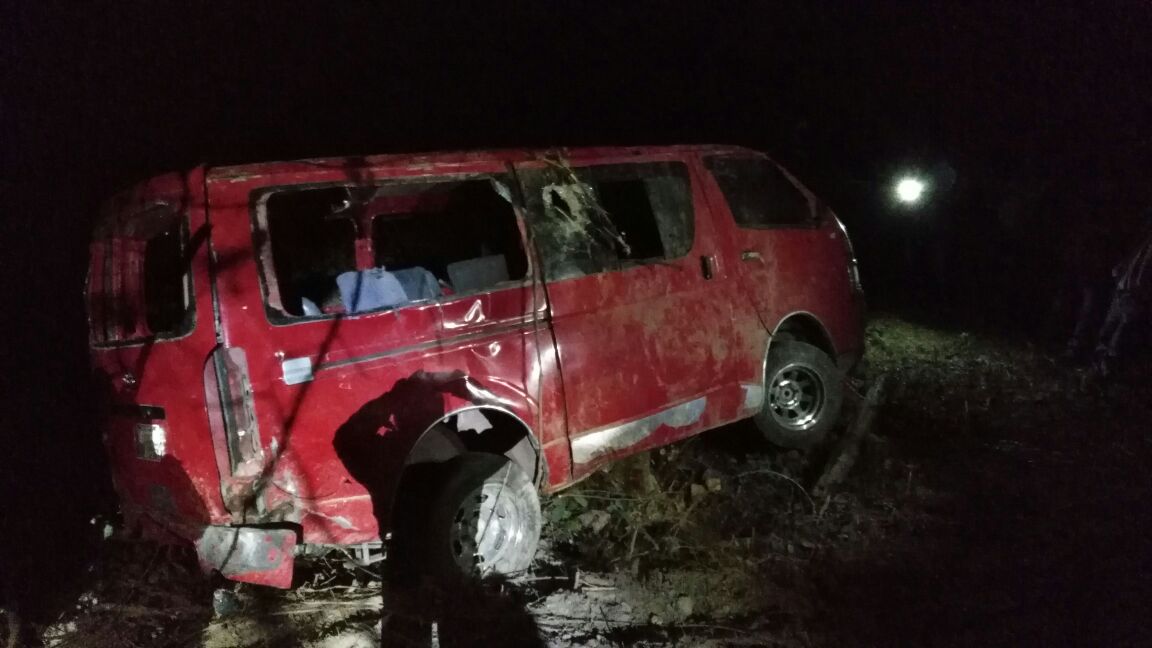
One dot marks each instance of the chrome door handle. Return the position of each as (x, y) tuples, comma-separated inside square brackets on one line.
[(751, 255)]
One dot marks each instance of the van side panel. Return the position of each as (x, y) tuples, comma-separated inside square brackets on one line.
[(154, 396), (655, 351), (810, 275), (791, 270), (341, 401)]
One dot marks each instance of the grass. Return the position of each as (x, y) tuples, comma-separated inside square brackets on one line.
[(1004, 502)]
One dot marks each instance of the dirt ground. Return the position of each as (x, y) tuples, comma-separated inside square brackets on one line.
[(1003, 500)]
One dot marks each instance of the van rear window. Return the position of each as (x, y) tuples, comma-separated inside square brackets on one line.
[(139, 285), (333, 250), (759, 194)]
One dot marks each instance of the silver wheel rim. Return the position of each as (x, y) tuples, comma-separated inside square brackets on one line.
[(487, 526), (796, 397)]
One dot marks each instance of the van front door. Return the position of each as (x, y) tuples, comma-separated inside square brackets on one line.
[(774, 232), (644, 335)]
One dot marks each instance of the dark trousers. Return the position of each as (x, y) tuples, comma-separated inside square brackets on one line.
[(1093, 300), (1125, 309)]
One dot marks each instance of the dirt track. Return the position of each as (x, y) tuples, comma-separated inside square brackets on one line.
[(1004, 503)]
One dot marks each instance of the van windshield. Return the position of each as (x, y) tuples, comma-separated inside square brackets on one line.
[(139, 286)]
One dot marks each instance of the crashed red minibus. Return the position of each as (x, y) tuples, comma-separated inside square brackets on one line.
[(284, 346)]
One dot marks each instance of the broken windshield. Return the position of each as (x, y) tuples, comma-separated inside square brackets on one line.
[(592, 219)]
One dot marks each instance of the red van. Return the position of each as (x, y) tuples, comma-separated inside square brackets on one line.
[(287, 346)]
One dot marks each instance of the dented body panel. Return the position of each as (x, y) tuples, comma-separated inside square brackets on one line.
[(156, 382), (491, 338), (262, 426)]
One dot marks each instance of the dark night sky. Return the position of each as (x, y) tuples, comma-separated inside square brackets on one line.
[(107, 96), (96, 97), (125, 93)]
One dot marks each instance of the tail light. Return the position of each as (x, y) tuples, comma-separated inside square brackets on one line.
[(234, 394), (151, 441)]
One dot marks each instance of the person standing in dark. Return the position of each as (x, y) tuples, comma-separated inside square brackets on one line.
[(1131, 302), (1088, 257)]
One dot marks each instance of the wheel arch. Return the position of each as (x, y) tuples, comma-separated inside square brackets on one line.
[(803, 326), (480, 428)]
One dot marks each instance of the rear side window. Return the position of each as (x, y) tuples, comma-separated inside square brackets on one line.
[(139, 281), (594, 219), (335, 250), (166, 295), (759, 194)]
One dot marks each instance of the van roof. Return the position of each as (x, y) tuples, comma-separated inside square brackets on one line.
[(454, 158)]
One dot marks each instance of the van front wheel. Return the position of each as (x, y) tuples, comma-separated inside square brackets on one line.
[(803, 392)]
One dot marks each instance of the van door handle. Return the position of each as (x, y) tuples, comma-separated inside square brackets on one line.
[(751, 255), (708, 266)]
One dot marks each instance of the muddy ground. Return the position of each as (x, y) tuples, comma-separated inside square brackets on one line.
[(1003, 500)]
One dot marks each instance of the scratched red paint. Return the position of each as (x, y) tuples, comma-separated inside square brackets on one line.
[(567, 358)]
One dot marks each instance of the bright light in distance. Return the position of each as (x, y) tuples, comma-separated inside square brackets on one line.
[(909, 190)]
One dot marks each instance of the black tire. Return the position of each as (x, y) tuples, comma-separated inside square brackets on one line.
[(803, 393), (456, 540)]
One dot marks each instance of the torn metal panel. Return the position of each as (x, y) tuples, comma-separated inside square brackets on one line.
[(753, 396), (250, 555), (626, 435), (338, 520), (472, 419)]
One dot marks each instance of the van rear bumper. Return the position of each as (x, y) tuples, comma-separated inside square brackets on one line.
[(249, 554)]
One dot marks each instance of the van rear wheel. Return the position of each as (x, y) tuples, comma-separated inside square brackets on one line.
[(803, 394), (484, 519)]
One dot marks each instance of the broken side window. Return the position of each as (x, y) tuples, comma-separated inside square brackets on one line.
[(310, 247), (166, 298), (340, 249), (593, 219), (139, 279), (759, 194)]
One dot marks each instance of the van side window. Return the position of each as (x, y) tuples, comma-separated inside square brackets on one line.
[(139, 284), (594, 219), (345, 250), (309, 250), (759, 194), (166, 299)]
